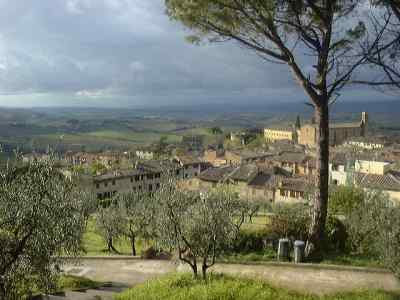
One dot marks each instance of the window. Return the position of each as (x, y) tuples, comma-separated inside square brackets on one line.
[(282, 193), (137, 178), (97, 185), (100, 196), (150, 176), (195, 174), (105, 184), (157, 185), (140, 187), (131, 179), (134, 188), (113, 182), (150, 187), (177, 172)]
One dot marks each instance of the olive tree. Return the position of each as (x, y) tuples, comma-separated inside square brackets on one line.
[(198, 226), (110, 223), (40, 219), (139, 212), (317, 40)]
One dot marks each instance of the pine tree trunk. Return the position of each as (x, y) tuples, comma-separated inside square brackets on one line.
[(314, 245)]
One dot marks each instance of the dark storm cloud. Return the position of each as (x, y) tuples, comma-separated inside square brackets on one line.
[(90, 51)]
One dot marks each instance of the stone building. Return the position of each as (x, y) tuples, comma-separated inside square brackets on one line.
[(280, 134), (338, 132)]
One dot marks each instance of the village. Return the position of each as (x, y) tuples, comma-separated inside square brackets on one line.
[(281, 170)]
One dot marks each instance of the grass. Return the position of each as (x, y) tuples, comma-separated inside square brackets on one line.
[(218, 287), (71, 283), (94, 244)]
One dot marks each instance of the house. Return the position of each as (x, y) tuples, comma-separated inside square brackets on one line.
[(191, 166), (237, 157), (137, 180), (338, 132), (298, 163), (251, 182), (366, 173), (368, 142), (145, 153), (215, 155), (280, 134)]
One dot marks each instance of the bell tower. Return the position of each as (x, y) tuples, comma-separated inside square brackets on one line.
[(364, 123)]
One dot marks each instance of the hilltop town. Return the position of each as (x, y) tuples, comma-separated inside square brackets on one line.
[(279, 169)]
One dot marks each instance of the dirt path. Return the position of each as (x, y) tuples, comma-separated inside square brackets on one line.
[(319, 280)]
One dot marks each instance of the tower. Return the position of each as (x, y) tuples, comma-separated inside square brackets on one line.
[(364, 123)]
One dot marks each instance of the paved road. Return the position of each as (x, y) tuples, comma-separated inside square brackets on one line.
[(318, 280)]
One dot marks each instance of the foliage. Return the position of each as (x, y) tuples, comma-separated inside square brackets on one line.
[(250, 241), (110, 224), (344, 199), (41, 218), (335, 235), (139, 211), (374, 229), (93, 241), (290, 221), (223, 287), (199, 227), (216, 130), (388, 242), (364, 222), (97, 168)]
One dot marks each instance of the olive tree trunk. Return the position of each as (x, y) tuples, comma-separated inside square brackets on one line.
[(315, 240)]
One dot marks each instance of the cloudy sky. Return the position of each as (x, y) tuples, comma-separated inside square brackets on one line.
[(124, 53)]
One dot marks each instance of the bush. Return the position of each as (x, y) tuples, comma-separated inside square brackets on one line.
[(250, 241), (290, 221), (335, 234), (149, 253)]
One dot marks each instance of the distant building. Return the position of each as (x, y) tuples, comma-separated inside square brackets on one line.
[(366, 173), (280, 134), (194, 143), (338, 132), (245, 137), (146, 154), (368, 143)]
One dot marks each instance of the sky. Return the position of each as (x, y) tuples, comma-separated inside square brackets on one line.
[(119, 53)]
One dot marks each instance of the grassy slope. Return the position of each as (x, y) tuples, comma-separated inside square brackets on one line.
[(183, 287)]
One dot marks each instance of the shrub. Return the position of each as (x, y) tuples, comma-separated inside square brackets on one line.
[(290, 221), (250, 241), (335, 234)]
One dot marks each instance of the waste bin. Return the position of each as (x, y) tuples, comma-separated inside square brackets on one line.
[(283, 250), (299, 247)]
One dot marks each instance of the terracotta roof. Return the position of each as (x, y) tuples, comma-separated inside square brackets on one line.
[(269, 178), (390, 181), (216, 174), (244, 172), (119, 175), (295, 184)]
